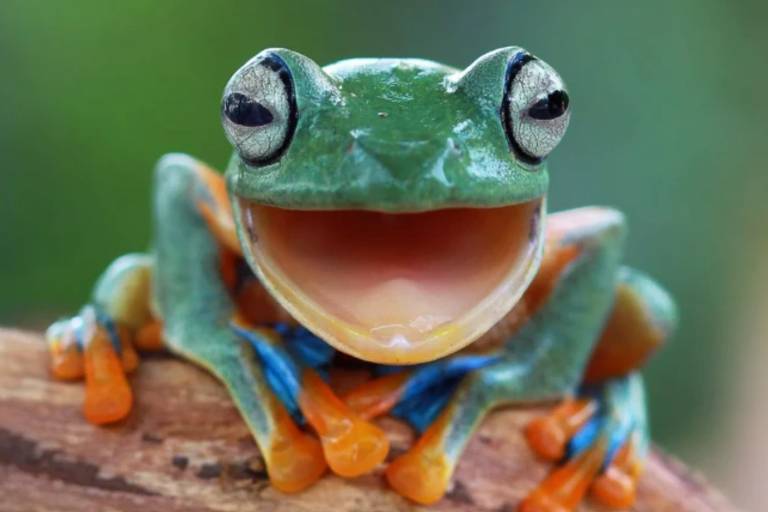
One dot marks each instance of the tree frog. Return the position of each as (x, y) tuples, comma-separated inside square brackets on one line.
[(387, 215)]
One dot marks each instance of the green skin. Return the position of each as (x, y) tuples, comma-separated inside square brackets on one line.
[(416, 136)]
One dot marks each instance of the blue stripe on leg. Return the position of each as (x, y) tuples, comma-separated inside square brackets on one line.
[(421, 410), (615, 420), (585, 437), (431, 387), (282, 374)]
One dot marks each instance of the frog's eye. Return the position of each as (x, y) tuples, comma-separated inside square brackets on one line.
[(535, 110), (258, 110)]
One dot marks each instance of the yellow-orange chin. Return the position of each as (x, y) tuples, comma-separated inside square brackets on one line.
[(396, 288)]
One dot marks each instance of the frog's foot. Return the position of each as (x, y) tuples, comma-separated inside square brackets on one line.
[(294, 458), (93, 347), (424, 472), (350, 444), (262, 380), (599, 441), (438, 399)]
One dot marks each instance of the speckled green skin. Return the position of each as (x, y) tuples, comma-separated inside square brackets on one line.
[(393, 135)]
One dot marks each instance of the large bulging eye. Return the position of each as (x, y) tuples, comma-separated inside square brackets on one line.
[(258, 110), (535, 111)]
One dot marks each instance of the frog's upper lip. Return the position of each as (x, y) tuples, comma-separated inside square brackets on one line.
[(395, 288)]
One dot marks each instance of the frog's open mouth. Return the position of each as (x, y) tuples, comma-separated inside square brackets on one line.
[(396, 288)]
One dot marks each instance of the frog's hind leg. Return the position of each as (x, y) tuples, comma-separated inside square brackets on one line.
[(98, 343), (606, 443), (609, 416)]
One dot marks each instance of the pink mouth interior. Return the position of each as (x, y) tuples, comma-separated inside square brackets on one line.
[(397, 278)]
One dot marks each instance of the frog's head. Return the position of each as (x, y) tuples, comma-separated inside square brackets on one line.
[(393, 206)]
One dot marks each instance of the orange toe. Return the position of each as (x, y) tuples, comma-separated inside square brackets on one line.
[(617, 486), (548, 435), (66, 358), (614, 489), (420, 475), (295, 459), (352, 446), (67, 364), (564, 488), (356, 450), (108, 397), (542, 502), (423, 473)]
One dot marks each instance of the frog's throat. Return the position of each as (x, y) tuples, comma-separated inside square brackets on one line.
[(395, 288)]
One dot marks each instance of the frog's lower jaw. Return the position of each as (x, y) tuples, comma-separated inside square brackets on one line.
[(399, 288)]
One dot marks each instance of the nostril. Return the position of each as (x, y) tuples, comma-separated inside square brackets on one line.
[(551, 107)]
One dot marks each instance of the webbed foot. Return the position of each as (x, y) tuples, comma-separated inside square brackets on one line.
[(92, 347), (424, 472), (294, 457), (599, 441), (351, 446), (437, 399)]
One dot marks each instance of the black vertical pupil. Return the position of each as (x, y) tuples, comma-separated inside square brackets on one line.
[(242, 110), (551, 107)]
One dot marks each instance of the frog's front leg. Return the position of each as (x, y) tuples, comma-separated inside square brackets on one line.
[(545, 359), (270, 381), (293, 360), (197, 310)]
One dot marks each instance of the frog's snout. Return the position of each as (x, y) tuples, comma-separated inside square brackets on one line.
[(418, 156)]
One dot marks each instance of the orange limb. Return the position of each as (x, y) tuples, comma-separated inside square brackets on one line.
[(564, 488), (352, 446), (617, 486), (294, 458), (108, 397), (217, 212), (548, 435), (378, 396), (423, 472)]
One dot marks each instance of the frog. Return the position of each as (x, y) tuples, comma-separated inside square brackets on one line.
[(388, 215)]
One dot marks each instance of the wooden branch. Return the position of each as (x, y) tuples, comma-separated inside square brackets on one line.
[(185, 448)]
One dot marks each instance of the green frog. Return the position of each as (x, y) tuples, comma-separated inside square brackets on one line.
[(387, 216)]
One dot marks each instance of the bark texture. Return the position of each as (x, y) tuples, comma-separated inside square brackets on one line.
[(185, 448)]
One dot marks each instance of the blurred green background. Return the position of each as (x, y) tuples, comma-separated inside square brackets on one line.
[(669, 102)]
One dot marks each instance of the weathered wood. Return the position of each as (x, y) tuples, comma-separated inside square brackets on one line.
[(185, 448)]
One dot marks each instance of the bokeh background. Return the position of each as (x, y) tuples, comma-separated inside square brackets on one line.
[(669, 125)]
